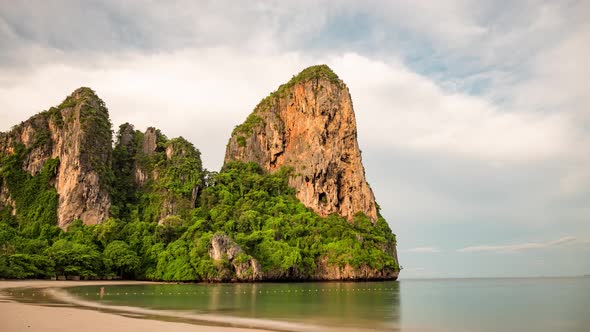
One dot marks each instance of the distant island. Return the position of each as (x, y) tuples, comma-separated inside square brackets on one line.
[(290, 203)]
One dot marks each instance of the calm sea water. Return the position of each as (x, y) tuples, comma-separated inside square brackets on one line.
[(535, 304)]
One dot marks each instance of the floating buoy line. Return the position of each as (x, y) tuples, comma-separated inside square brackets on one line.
[(207, 293)]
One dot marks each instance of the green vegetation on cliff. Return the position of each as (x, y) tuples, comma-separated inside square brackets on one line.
[(248, 125), (24, 237), (97, 139), (311, 73), (33, 196), (124, 191), (258, 210), (154, 184), (262, 214)]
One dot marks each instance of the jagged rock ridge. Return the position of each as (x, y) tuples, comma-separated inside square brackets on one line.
[(309, 124), (161, 176)]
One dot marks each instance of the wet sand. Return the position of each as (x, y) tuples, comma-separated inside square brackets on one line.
[(33, 317)]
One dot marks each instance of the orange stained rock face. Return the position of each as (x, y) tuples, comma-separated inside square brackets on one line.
[(312, 128)]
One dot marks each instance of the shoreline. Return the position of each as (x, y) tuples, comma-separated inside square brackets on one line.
[(38, 313), (73, 314)]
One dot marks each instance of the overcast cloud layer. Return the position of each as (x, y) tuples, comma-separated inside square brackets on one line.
[(474, 117)]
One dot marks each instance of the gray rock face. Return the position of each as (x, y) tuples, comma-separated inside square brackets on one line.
[(150, 141), (6, 200), (245, 267), (127, 133), (326, 272)]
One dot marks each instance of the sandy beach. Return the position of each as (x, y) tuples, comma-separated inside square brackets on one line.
[(33, 317)]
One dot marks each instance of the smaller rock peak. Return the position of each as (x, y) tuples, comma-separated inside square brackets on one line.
[(127, 127), (150, 140), (179, 147), (83, 90), (84, 93), (126, 133)]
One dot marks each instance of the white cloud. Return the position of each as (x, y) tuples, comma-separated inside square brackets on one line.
[(519, 246), (455, 23), (559, 76), (431, 250), (204, 93), (199, 94), (399, 108)]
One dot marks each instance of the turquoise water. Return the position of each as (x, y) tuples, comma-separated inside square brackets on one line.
[(532, 304)]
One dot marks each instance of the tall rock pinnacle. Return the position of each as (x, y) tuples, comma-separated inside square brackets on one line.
[(309, 124), (76, 135)]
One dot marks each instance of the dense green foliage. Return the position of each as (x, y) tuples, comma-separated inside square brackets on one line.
[(246, 128), (119, 257), (258, 210), (34, 197), (310, 73), (124, 191), (95, 145), (265, 218), (24, 237)]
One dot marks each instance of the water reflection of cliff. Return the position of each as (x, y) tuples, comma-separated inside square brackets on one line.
[(367, 305), (370, 305)]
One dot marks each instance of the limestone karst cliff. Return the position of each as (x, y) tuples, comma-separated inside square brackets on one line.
[(76, 135), (158, 176), (290, 203), (309, 124)]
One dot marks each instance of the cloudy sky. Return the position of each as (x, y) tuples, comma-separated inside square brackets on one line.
[(473, 117)]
